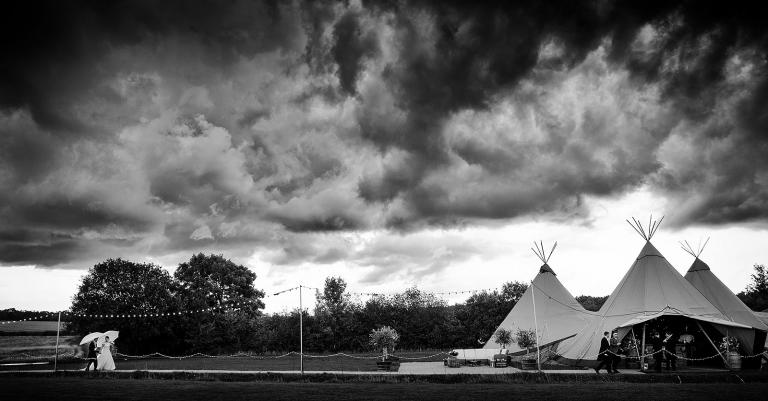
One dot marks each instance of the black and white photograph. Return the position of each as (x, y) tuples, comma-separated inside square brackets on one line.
[(383, 199)]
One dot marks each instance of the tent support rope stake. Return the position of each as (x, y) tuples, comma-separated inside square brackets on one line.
[(713, 344)]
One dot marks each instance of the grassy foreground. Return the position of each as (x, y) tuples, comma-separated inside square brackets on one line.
[(89, 389)]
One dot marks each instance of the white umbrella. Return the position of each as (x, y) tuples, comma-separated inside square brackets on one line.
[(90, 337), (112, 334)]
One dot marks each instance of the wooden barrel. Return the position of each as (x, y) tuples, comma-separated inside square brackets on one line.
[(383, 366), (632, 361), (734, 360)]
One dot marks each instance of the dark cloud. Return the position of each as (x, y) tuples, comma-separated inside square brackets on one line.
[(333, 255), (160, 127), (252, 116), (480, 51), (351, 48), (49, 40)]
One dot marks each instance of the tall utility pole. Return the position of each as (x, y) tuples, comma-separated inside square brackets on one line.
[(301, 333), (56, 360)]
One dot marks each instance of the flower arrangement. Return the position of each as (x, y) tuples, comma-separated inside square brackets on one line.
[(729, 343), (631, 343)]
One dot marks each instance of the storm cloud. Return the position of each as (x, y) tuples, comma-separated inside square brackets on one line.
[(157, 128)]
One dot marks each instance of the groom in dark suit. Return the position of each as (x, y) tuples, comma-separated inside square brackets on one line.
[(604, 357), (91, 356)]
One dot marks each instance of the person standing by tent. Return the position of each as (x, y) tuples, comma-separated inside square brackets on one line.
[(669, 347), (604, 356), (658, 353), (687, 339), (615, 351), (91, 358)]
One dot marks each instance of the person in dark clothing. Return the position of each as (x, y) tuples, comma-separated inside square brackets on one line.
[(658, 355), (669, 346), (604, 356), (615, 351), (91, 356)]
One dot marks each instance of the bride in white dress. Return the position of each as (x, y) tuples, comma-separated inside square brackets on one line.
[(105, 356)]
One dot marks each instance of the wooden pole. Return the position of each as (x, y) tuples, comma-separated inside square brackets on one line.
[(301, 333), (536, 325), (635, 342), (713, 344), (56, 359), (642, 357)]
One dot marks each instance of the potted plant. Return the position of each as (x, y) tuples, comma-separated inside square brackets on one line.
[(526, 339), (503, 337), (384, 339), (730, 346)]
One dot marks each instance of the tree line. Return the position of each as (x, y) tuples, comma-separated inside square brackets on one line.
[(338, 321)]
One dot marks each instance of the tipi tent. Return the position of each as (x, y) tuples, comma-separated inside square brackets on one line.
[(763, 316), (651, 289), (546, 304), (702, 278)]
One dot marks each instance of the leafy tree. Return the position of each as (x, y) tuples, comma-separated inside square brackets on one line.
[(119, 287), (226, 292), (591, 303), (484, 311), (279, 332), (335, 323), (512, 291), (756, 294), (40, 316), (526, 339), (415, 314), (503, 337)]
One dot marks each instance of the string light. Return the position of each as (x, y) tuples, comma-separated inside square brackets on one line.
[(232, 306), (29, 318)]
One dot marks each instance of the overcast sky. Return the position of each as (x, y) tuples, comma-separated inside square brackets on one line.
[(390, 143)]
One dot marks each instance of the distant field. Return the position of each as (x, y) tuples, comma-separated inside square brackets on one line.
[(30, 326), (37, 346)]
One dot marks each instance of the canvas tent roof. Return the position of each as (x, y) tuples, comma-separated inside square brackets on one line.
[(672, 312), (650, 286), (763, 316), (558, 314), (701, 277)]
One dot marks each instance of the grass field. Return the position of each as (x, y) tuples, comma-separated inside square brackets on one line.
[(287, 363), (37, 346), (92, 389), (30, 326)]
